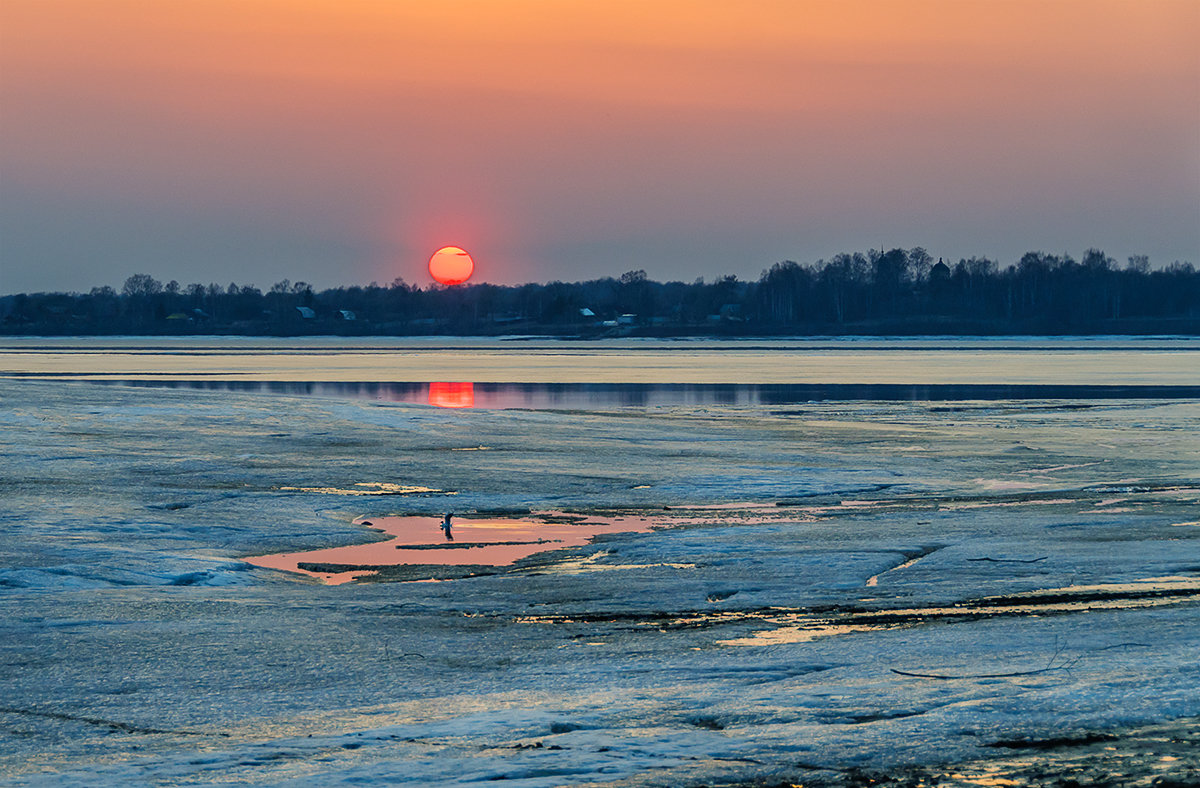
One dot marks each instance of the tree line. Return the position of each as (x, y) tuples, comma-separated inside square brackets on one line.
[(897, 291)]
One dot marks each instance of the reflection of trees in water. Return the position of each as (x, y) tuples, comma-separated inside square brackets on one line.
[(641, 395)]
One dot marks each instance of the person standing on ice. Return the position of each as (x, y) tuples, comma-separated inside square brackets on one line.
[(446, 526)]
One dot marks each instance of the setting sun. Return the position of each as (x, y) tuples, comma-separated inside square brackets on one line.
[(451, 265)]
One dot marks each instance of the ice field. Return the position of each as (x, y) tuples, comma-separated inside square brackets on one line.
[(827, 588)]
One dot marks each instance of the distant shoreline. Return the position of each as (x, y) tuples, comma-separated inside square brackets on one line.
[(895, 293), (1133, 328)]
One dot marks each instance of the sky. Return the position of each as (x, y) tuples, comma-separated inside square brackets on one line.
[(343, 141)]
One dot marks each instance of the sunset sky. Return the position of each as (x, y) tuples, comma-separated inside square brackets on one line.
[(343, 141)]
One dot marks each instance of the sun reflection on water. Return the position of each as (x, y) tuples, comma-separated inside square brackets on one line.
[(452, 395)]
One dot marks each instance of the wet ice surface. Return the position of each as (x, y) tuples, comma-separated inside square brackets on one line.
[(421, 547), (137, 646)]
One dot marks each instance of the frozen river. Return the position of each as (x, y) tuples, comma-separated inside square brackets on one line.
[(862, 555)]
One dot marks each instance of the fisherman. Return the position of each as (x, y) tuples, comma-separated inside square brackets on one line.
[(446, 526)]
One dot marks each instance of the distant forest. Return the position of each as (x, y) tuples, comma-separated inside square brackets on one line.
[(879, 293)]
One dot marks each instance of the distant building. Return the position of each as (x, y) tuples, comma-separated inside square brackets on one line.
[(346, 314), (585, 312), (306, 313), (626, 320), (940, 272), (508, 317)]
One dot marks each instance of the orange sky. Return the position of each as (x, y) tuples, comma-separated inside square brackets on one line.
[(334, 142)]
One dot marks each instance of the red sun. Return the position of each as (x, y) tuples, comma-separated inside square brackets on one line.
[(451, 265)]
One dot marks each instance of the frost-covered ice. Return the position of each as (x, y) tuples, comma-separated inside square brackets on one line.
[(136, 646)]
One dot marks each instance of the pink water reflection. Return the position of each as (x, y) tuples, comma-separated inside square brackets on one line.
[(419, 540)]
